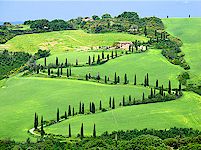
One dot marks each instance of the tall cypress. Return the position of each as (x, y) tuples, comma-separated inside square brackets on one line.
[(57, 114), (87, 77), (106, 79), (143, 96), (82, 131), (103, 57), (115, 78), (48, 70), (89, 60), (58, 72), (113, 104), (169, 88), (67, 73), (108, 56), (118, 79), (98, 60), (110, 102), (45, 61), (123, 100), (69, 110), (152, 95), (76, 63), (35, 121), (57, 61), (61, 69), (156, 83), (94, 131), (65, 115), (93, 107), (66, 63), (82, 108), (125, 79), (112, 55), (93, 58), (69, 130), (73, 111), (42, 132), (116, 54), (145, 31), (129, 99), (90, 107), (147, 80), (100, 108), (70, 73), (135, 80)]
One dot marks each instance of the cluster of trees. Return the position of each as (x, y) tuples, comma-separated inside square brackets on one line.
[(170, 48), (10, 61), (173, 138), (126, 22)]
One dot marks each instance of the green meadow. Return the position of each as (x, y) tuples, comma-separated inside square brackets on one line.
[(21, 97), (61, 41), (184, 112), (188, 30)]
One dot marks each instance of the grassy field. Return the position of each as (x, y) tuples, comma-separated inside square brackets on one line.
[(151, 62), (184, 112), (66, 40), (188, 30), (21, 97)]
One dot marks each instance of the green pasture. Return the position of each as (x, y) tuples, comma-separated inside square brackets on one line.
[(21, 97), (188, 30), (60, 41), (184, 112), (151, 62)]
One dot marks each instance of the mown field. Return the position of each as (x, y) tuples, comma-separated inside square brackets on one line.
[(184, 112), (188, 30), (62, 41)]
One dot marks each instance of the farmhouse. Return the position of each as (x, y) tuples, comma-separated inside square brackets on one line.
[(87, 19), (123, 44)]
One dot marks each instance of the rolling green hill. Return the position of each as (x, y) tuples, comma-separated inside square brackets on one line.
[(188, 30), (61, 41)]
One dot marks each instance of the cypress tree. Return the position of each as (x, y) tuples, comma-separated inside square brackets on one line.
[(143, 96), (129, 99), (98, 60), (37, 69), (118, 79), (103, 57), (154, 92), (45, 61), (93, 108), (65, 115), (86, 77), (135, 80), (155, 33), (132, 48), (57, 114), (90, 107), (76, 62), (82, 108), (35, 121), (73, 111), (67, 73), (93, 58), (125, 79), (89, 60), (108, 56), (100, 108), (169, 89), (82, 131), (89, 76), (113, 104), (69, 130), (98, 76), (70, 72), (156, 83), (147, 80), (106, 79), (110, 102), (112, 55), (115, 78), (151, 93), (69, 110), (66, 63), (123, 100), (129, 48), (58, 72), (94, 131), (162, 90), (42, 132), (57, 61), (116, 54), (48, 70), (61, 69)]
